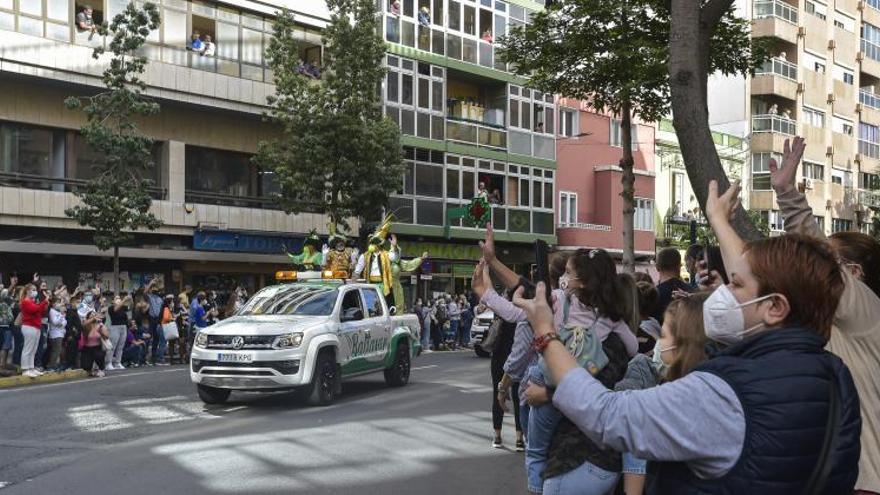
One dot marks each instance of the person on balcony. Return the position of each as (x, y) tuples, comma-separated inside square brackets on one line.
[(425, 16), (487, 36), (85, 22), (195, 43), (209, 48)]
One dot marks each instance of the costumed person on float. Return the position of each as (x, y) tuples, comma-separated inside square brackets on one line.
[(398, 266), (338, 257), (374, 265), (311, 258)]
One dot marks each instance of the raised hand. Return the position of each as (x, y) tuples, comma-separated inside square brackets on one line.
[(537, 310), (721, 208), (480, 282), (488, 245), (783, 178)]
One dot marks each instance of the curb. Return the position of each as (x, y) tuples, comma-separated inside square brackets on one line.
[(21, 380)]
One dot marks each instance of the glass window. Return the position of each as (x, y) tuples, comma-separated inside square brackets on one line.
[(470, 20), (454, 15), (7, 4), (438, 42), (392, 86), (424, 93), (452, 183), (174, 28), (60, 32), (437, 96), (438, 12), (408, 33), (7, 21), (227, 43), (373, 303), (453, 46), (31, 150), (114, 8), (423, 127), (543, 223), (251, 46), (58, 9), (407, 91), (32, 7), (252, 21), (392, 29), (429, 212), (219, 172), (429, 181)]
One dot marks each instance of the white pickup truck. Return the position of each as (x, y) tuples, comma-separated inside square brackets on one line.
[(306, 336)]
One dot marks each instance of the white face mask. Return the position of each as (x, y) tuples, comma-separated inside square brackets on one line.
[(723, 316), (657, 358), (32, 294), (563, 281)]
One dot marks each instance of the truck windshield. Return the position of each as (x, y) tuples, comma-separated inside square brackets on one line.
[(291, 300)]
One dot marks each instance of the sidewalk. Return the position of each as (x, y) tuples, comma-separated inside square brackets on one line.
[(21, 380)]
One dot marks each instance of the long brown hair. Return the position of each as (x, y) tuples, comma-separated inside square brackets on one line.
[(685, 318), (856, 247)]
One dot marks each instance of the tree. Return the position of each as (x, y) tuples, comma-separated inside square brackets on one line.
[(699, 32), (612, 54), (337, 154), (117, 201)]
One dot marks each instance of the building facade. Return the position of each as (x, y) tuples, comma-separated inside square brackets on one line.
[(589, 202), (221, 226), (821, 83), (469, 127)]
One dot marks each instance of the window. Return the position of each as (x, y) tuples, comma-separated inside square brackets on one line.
[(842, 126), (568, 122), (643, 218), (817, 9), (761, 170), (843, 74), (617, 135), (774, 220), (871, 41), (413, 98), (567, 208), (841, 225), (814, 171), (820, 221), (813, 117), (678, 194), (373, 303), (813, 62), (869, 140), (351, 301), (844, 22), (219, 172), (32, 151), (841, 177), (870, 181)]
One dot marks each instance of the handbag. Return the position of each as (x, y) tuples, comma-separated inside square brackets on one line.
[(171, 331), (490, 340), (106, 344)]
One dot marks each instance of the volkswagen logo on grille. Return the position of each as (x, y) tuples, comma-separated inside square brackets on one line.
[(237, 342)]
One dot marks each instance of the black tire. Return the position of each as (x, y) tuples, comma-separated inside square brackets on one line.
[(324, 387), (398, 374), (480, 352), (212, 395)]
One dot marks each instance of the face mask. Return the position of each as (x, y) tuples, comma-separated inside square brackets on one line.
[(657, 358), (88, 299), (723, 316), (32, 294)]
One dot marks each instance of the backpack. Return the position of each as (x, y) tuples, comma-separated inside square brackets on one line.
[(442, 313), (6, 317)]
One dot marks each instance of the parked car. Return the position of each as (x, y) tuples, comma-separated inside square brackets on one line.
[(478, 330)]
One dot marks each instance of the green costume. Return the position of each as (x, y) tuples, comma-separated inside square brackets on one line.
[(397, 266), (311, 258)]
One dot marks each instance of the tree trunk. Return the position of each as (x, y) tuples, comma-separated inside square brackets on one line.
[(628, 181), (691, 30), (116, 270)]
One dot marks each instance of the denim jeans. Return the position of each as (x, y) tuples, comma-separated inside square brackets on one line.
[(6, 338), (524, 410), (586, 479), (464, 332), (134, 354), (158, 343), (17, 344), (426, 333), (634, 465), (543, 421), (453, 329)]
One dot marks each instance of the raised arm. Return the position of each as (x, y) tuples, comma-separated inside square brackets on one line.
[(507, 276), (793, 204), (719, 210)]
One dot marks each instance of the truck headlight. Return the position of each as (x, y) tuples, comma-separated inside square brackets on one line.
[(201, 339), (289, 340)]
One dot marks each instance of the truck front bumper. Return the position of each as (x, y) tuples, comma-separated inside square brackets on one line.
[(276, 369)]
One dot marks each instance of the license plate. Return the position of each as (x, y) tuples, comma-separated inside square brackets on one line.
[(235, 358)]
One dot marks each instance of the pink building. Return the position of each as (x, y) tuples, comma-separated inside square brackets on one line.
[(590, 207)]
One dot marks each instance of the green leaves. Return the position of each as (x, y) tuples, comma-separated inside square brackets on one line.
[(117, 202), (337, 153)]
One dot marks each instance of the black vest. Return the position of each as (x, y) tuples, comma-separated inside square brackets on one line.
[(782, 379)]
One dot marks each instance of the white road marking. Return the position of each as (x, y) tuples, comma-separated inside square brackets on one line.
[(424, 367), (86, 380)]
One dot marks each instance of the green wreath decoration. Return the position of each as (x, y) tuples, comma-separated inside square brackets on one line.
[(479, 212)]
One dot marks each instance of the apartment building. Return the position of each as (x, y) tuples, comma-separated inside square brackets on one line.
[(221, 226), (822, 83), (590, 206), (468, 125)]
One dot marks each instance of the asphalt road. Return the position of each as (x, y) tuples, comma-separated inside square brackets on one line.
[(145, 431)]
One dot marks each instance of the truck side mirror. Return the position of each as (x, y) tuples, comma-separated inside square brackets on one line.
[(352, 314), (392, 310)]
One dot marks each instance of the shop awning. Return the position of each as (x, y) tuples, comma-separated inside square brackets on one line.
[(138, 253)]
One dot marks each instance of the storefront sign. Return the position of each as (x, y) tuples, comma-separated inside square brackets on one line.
[(463, 270), (221, 240), (426, 277), (438, 250)]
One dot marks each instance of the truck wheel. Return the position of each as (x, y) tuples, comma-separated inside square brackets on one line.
[(398, 374), (325, 381), (212, 395), (480, 352)]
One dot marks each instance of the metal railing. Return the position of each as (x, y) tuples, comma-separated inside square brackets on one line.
[(481, 135), (775, 8), (779, 67), (584, 226), (871, 50), (210, 198), (57, 184), (869, 99), (774, 123)]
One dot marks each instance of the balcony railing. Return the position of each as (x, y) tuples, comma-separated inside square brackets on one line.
[(774, 123), (57, 184), (779, 67), (473, 133), (869, 99), (871, 50), (776, 8), (209, 198), (871, 199), (868, 148), (874, 4), (585, 226)]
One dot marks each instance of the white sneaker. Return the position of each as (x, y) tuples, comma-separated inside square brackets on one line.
[(32, 373), (39, 372), (111, 367), (99, 374), (120, 366)]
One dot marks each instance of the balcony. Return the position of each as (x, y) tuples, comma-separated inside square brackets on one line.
[(869, 100), (476, 133), (871, 58), (435, 39), (774, 123), (870, 199), (776, 19), (585, 226), (776, 77), (871, 14)]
